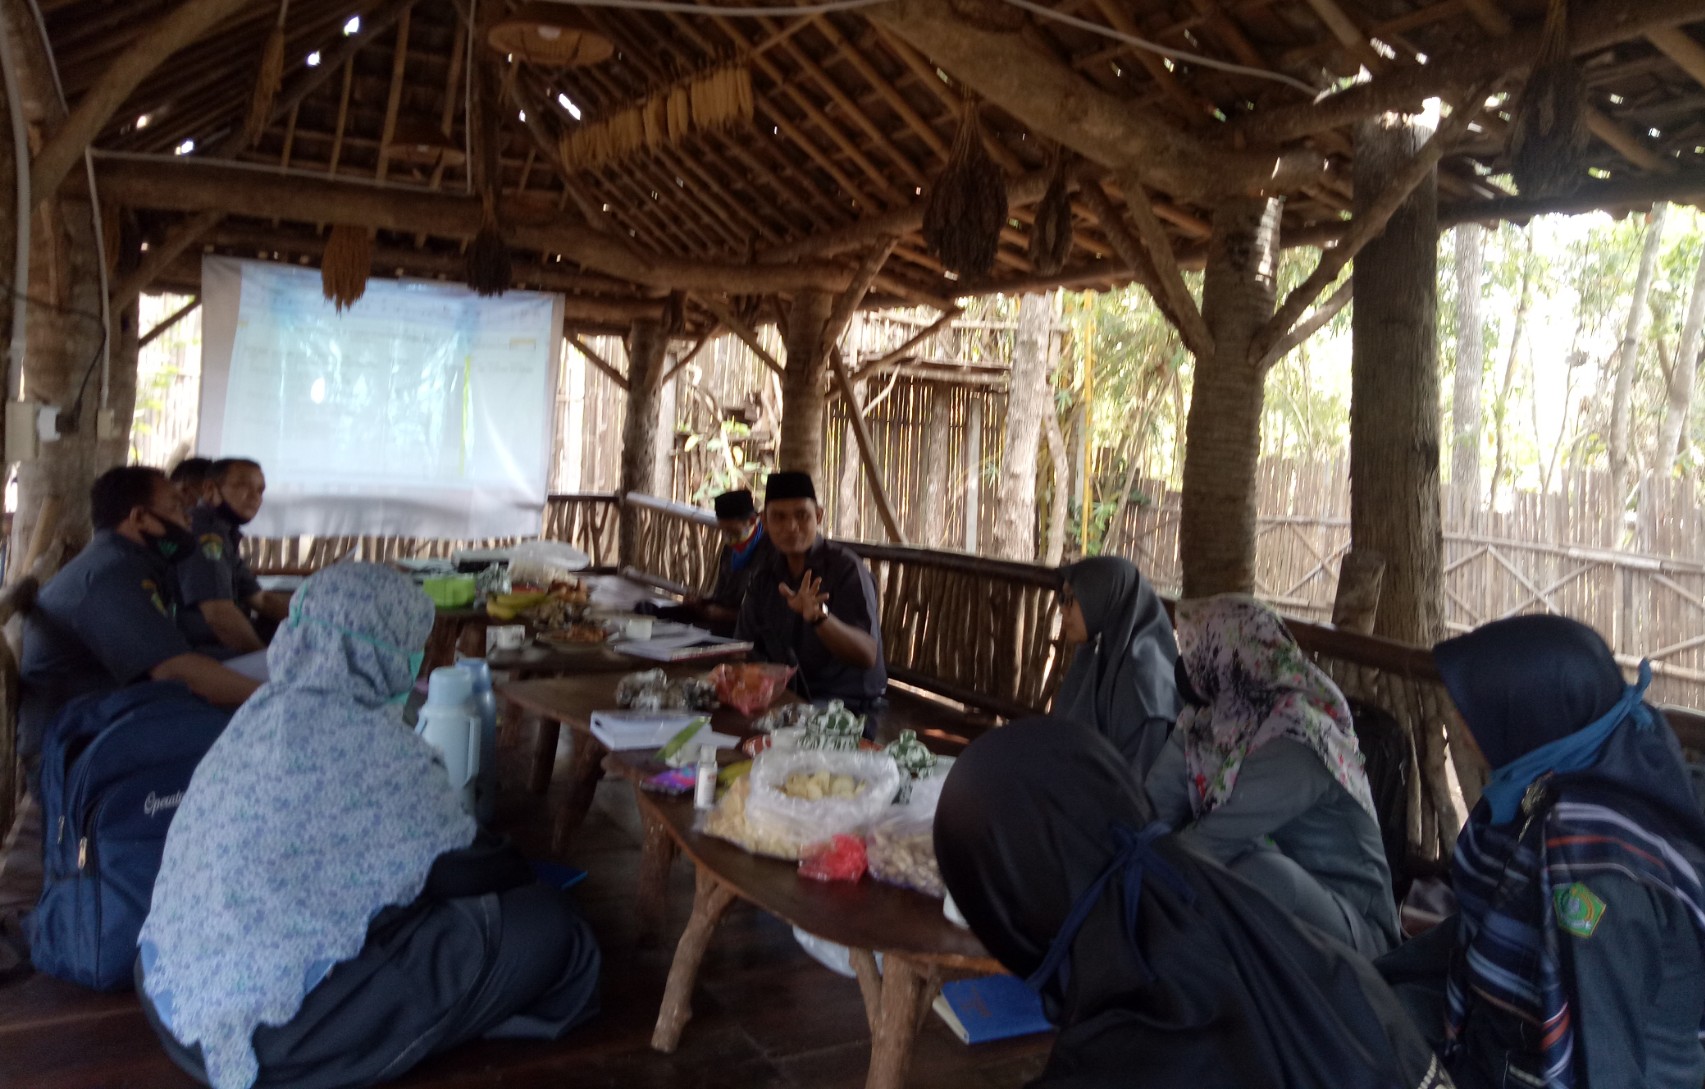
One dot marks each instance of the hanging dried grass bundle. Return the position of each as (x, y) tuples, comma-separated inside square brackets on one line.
[(1051, 234), (344, 267), (966, 207), (716, 100), (1549, 134), (489, 268), (267, 81)]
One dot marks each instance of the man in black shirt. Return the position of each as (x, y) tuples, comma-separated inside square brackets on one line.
[(813, 604), (220, 595)]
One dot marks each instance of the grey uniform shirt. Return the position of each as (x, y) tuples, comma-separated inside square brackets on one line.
[(216, 571), (779, 634), (105, 621), (1284, 793)]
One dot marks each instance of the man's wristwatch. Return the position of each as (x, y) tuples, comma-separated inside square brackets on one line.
[(817, 621)]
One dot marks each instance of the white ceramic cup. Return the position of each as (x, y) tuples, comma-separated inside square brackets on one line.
[(507, 636), (639, 628)]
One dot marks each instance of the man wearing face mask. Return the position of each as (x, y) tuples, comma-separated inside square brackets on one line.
[(218, 591), (107, 619)]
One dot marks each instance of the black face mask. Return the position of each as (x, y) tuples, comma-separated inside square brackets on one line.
[(230, 515), (175, 544)]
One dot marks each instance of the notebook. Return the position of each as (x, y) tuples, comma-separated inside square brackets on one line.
[(624, 730), (990, 1008)]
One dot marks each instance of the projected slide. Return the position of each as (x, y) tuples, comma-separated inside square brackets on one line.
[(423, 410)]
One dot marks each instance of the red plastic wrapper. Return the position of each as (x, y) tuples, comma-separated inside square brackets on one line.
[(840, 859), (750, 688)]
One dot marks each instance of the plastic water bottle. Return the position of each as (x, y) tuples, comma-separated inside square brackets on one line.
[(704, 782), (450, 723), (485, 706)]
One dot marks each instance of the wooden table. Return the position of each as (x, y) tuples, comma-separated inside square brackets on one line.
[(920, 948), (571, 701)]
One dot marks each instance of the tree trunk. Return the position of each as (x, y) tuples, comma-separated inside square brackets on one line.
[(1684, 376), (1015, 518), (1216, 533), (1394, 399), (1501, 408), (929, 513), (1470, 373), (663, 464), (645, 344), (1055, 548), (1627, 359), (62, 342), (805, 383), (973, 473)]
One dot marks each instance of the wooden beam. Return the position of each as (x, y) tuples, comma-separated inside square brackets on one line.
[(1368, 226), (1192, 327), (850, 299), (1679, 46), (1625, 144), (189, 21), (597, 360), (911, 342), (1051, 99), (749, 336), (158, 257), (1683, 186), (185, 185), (866, 448), (705, 338), (168, 321), (1308, 326), (1594, 25), (394, 98)]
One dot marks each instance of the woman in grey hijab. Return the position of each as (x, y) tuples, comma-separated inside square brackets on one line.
[(1121, 675)]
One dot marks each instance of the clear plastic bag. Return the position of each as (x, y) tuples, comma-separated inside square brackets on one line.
[(900, 850), (750, 688), (544, 562), (776, 815), (841, 858)]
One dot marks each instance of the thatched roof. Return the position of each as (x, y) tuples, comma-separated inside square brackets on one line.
[(854, 115)]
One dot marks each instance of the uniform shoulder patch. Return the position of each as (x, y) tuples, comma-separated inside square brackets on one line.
[(213, 546), (153, 591), (1578, 911)]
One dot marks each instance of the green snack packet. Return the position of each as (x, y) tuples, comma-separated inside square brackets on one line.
[(675, 753)]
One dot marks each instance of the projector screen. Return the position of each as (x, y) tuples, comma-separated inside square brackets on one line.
[(421, 411)]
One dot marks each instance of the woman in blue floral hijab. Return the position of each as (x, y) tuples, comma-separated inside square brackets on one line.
[(326, 915)]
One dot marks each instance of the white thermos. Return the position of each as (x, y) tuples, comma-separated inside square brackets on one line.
[(450, 723)]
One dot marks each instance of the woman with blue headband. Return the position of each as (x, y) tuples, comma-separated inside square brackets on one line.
[(1577, 958), (326, 915)]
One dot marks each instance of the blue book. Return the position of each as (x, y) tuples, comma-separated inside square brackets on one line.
[(991, 1008)]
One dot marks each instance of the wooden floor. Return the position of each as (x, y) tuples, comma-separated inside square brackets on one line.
[(766, 1015)]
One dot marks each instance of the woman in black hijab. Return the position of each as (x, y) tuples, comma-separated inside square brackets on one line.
[(1159, 967)]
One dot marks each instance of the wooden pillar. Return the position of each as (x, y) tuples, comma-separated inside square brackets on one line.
[(804, 384), (846, 488), (1223, 432), (973, 471), (929, 512), (1394, 399), (62, 341), (645, 344), (1015, 519), (663, 470)]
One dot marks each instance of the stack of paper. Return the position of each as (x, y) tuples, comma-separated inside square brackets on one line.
[(624, 730)]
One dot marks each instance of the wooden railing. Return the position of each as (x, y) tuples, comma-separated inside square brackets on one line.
[(984, 632)]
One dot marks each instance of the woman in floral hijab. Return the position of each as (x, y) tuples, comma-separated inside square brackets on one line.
[(1263, 773)]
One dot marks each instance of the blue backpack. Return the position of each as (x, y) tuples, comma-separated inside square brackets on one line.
[(114, 768)]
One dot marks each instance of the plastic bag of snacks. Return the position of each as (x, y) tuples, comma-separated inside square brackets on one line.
[(799, 797), (642, 691), (841, 858), (900, 850), (751, 687)]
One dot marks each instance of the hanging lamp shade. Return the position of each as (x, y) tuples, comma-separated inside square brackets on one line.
[(549, 35), (418, 141)]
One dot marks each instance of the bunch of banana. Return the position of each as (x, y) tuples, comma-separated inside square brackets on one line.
[(509, 606)]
